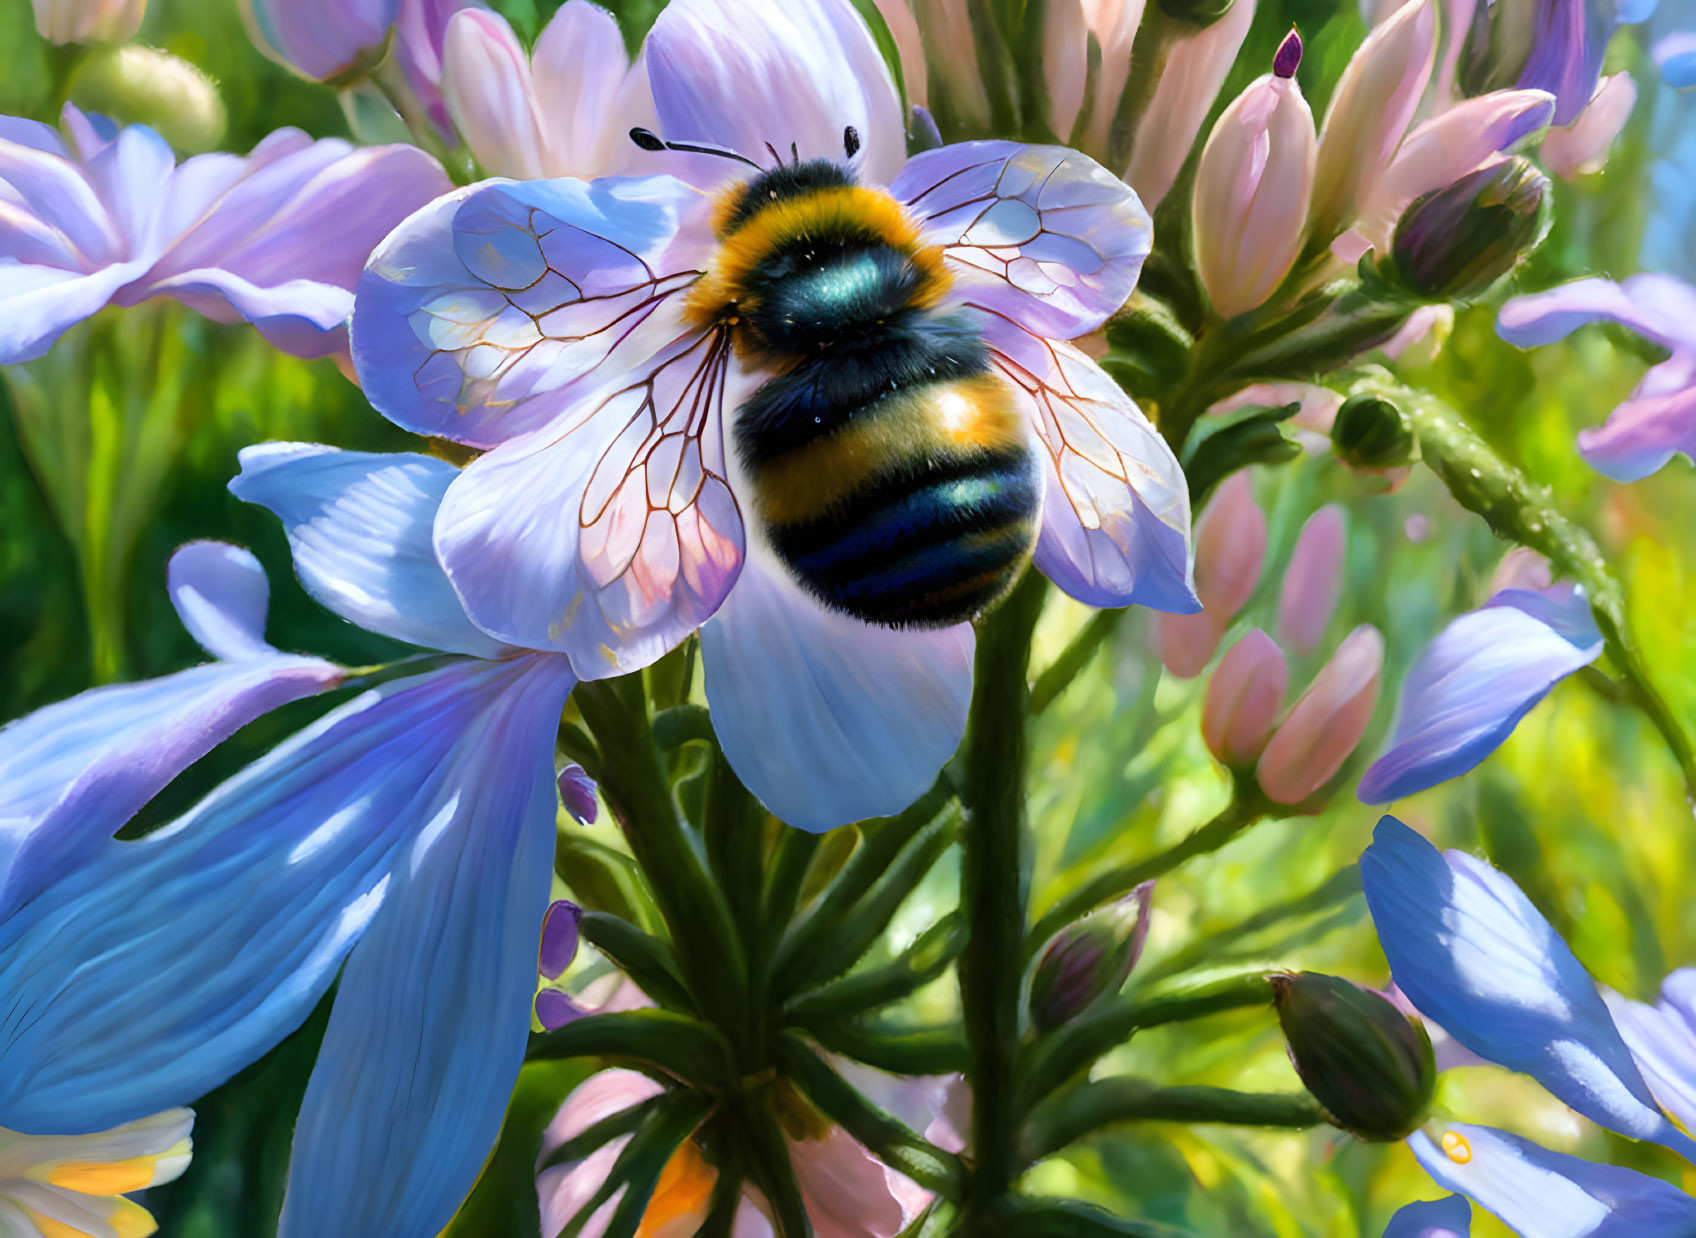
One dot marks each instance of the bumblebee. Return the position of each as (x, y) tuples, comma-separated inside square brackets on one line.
[(889, 465)]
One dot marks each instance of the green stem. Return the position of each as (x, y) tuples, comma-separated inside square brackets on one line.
[(636, 788), (1244, 810), (993, 885), (1091, 1106), (1072, 1048), (1520, 510), (1074, 657)]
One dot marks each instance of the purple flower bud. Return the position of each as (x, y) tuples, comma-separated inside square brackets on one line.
[(1366, 1062), (577, 793), (1288, 57), (559, 938), (1090, 959), (555, 1009), (1454, 242)]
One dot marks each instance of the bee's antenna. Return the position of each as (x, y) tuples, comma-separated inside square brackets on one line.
[(794, 153), (775, 157), (647, 139), (851, 141)]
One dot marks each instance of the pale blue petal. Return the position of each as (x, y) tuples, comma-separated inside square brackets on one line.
[(72, 774), (221, 595), (1543, 1194), (1662, 1038), (160, 967), (433, 1011), (829, 720), (1449, 1217), (1467, 691), (757, 71), (1469, 950), (1676, 57), (360, 527)]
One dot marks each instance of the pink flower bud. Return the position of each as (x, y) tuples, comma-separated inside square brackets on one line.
[(1313, 582), (88, 21), (1186, 642), (1196, 68), (1252, 189), (1318, 410), (320, 39), (489, 94), (1243, 699), (1582, 147), (1230, 547), (1370, 109), (904, 29), (1325, 725), (1114, 25)]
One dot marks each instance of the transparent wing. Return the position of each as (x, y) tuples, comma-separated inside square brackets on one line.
[(614, 537), (1043, 233), (660, 526), (480, 317), (1116, 514)]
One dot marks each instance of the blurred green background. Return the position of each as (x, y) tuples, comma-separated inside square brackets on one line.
[(1583, 807)]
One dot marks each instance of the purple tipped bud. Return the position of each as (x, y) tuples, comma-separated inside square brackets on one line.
[(1366, 1062), (1090, 959), (1455, 242), (559, 939), (1288, 57), (577, 793), (555, 1009)]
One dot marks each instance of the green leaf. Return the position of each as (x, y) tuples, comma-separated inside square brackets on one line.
[(643, 957), (1224, 444), (663, 1040), (887, 1137), (923, 961)]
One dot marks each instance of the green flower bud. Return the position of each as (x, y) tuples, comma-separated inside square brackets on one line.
[(1089, 959), (1371, 433), (1454, 242), (1366, 1062), (143, 85), (1196, 12)]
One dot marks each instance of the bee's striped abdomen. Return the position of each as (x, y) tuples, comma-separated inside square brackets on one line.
[(916, 508)]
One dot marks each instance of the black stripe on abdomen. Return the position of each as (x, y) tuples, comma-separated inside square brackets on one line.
[(920, 550)]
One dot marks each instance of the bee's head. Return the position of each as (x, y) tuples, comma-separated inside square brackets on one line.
[(784, 180)]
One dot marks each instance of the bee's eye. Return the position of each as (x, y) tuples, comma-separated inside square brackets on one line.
[(851, 141)]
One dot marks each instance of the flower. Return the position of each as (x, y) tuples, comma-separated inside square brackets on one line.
[(88, 21), (1658, 420), (60, 1186), (1325, 724), (1253, 187), (1470, 951), (1467, 691), (847, 1192), (276, 237), (555, 324), (321, 39), (1675, 57), (402, 841), (564, 110)]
